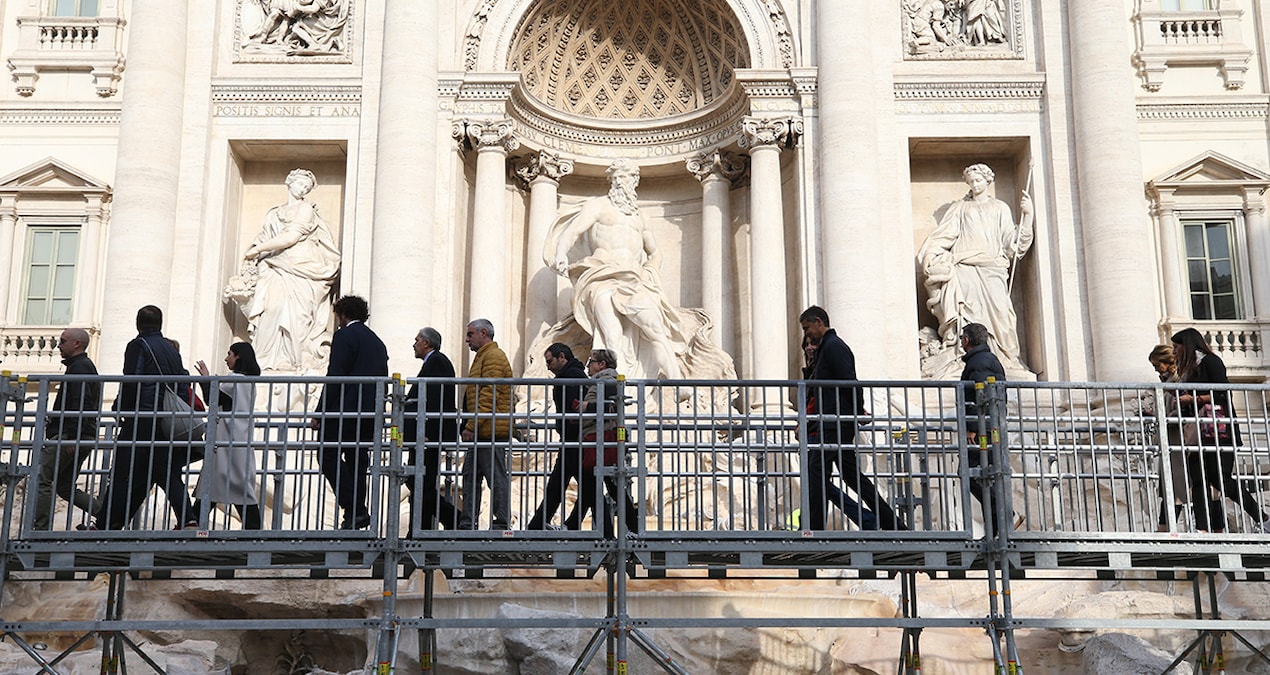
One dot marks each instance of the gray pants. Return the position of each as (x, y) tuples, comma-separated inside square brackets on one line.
[(59, 467), (487, 461)]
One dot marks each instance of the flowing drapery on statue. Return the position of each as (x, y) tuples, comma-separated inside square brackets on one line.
[(284, 288), (968, 260), (607, 250)]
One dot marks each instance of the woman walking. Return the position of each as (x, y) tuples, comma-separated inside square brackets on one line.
[(229, 474)]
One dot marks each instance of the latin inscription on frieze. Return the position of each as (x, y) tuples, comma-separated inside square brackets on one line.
[(285, 110)]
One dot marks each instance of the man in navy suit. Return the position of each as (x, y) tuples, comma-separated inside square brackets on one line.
[(347, 411), (440, 425)]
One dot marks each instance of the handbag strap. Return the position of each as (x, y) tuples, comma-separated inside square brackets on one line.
[(158, 365)]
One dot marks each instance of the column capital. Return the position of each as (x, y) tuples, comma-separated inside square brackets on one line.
[(542, 166), (781, 132), (9, 206), (483, 135), (716, 165)]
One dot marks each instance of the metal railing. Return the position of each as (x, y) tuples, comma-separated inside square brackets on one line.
[(719, 477)]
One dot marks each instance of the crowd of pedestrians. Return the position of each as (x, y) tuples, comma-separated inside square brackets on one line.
[(477, 418)]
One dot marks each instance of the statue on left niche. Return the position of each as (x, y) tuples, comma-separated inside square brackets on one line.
[(300, 27), (286, 280)]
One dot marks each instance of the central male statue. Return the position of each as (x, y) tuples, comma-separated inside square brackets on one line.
[(617, 293)]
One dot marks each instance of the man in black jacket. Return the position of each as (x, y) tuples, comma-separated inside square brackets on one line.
[(981, 364), (70, 429), (347, 411), (139, 461), (440, 425), (831, 429), (561, 362)]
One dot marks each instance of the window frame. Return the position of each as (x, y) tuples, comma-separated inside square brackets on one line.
[(30, 228), (1236, 242), (79, 9)]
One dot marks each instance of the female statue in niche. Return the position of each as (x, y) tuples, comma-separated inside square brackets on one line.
[(968, 260), (284, 288)]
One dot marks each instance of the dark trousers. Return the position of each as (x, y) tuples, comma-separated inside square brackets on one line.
[(346, 466), (979, 486), (1216, 468), (252, 517), (587, 499), (568, 467), (140, 463), (424, 496), (820, 465)]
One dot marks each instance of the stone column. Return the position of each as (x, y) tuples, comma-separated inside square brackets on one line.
[(147, 170), (8, 223), (402, 239), (542, 173), (1176, 302), (1112, 212), (769, 302), (89, 255), (1258, 229), (716, 170), (488, 292)]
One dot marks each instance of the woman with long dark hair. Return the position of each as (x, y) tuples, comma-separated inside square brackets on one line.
[(229, 473), (1211, 462)]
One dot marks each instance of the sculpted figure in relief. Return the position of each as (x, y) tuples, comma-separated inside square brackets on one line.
[(931, 28), (301, 26), (968, 259), (934, 26), (617, 295), (284, 287)]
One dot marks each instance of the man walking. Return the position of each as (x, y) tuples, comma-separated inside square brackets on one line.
[(347, 411), (981, 364), (488, 409), (440, 425), (70, 429), (561, 362), (830, 436)]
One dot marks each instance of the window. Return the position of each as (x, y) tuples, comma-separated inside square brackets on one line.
[(1210, 269), (74, 7), (50, 275), (1185, 5)]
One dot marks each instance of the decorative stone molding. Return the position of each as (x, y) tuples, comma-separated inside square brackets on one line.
[(716, 164), (92, 44), (1187, 112), (483, 135), (961, 29), (1004, 96), (1198, 38), (763, 22), (543, 164), (671, 139), (321, 32), (782, 132), (285, 93), (59, 116)]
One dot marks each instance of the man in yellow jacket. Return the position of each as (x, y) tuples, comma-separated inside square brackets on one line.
[(488, 410)]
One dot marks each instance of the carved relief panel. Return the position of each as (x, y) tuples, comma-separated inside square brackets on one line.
[(294, 31), (962, 29)]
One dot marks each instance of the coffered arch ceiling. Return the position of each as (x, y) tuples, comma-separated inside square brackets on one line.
[(628, 59)]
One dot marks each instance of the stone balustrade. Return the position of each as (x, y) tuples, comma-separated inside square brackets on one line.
[(30, 349), (62, 43), (1199, 38)]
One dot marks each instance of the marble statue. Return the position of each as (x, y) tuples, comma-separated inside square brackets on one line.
[(285, 284), (967, 260), (607, 250), (617, 294), (984, 21), (931, 27), (301, 26)]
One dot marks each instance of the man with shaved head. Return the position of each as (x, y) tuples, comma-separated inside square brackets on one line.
[(70, 429)]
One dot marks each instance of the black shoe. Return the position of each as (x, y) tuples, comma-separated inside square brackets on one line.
[(360, 521)]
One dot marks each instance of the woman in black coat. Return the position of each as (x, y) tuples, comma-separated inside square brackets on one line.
[(1211, 463)]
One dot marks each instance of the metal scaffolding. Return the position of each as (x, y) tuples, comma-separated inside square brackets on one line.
[(717, 478)]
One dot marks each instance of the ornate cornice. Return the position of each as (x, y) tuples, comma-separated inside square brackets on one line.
[(758, 132), (286, 93), (60, 116), (1204, 111), (672, 138), (985, 90)]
